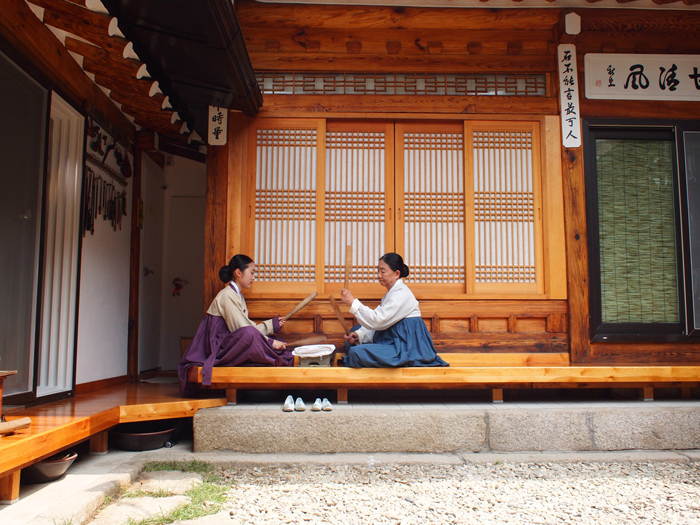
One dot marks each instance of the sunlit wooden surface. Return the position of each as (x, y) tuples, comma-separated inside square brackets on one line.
[(64, 423), (447, 377)]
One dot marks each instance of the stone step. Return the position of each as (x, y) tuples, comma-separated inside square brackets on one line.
[(263, 428)]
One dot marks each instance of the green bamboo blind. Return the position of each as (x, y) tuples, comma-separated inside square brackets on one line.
[(636, 215)]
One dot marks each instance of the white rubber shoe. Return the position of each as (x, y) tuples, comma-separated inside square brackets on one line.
[(288, 404), (326, 405), (299, 406), (317, 406)]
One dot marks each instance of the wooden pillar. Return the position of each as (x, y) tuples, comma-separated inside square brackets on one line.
[(215, 225), (99, 443), (342, 396), (231, 396), (226, 203), (576, 253), (497, 395), (9, 488), (134, 270)]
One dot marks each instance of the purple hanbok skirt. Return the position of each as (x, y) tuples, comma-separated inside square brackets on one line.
[(213, 345)]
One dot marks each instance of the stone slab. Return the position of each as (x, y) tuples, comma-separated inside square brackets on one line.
[(450, 429), (380, 430)]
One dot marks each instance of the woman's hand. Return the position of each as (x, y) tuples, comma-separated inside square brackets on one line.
[(352, 338), (281, 320), (278, 345), (346, 297)]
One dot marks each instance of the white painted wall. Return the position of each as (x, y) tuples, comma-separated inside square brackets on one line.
[(184, 249), (150, 289), (104, 282), (104, 299)]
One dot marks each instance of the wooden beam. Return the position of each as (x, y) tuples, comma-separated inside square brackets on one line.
[(379, 106), (251, 13), (82, 22), (640, 21), (384, 62), (98, 61), (23, 30), (411, 42), (443, 377)]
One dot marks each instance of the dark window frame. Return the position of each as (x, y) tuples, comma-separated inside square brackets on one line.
[(639, 332)]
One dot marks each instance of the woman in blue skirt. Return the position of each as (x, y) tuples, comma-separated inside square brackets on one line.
[(393, 334)]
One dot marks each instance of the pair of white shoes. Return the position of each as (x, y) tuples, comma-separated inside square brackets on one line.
[(290, 405)]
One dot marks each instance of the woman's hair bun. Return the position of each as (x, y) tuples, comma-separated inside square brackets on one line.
[(225, 274), (237, 262), (404, 271)]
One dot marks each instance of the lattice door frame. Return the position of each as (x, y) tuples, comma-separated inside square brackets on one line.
[(546, 263)]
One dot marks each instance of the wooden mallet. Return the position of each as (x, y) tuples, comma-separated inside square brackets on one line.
[(300, 306), (339, 315)]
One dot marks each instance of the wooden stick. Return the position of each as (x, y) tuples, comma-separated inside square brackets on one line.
[(311, 340), (348, 263), (339, 315), (9, 427), (300, 306)]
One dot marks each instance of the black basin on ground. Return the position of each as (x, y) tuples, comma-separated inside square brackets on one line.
[(48, 469), (143, 435)]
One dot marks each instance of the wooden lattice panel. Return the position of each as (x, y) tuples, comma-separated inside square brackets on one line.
[(504, 207), (355, 203), (433, 204), (285, 204), (441, 84)]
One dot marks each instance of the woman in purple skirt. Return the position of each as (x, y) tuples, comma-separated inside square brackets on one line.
[(227, 337)]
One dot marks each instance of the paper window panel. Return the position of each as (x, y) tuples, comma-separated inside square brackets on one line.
[(355, 203), (285, 204), (433, 204), (410, 84), (504, 207)]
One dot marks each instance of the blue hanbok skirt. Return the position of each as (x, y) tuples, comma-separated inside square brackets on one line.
[(407, 343)]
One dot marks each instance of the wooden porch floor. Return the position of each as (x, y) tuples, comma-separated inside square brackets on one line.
[(61, 424)]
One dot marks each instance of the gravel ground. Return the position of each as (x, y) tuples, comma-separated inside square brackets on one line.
[(500, 492)]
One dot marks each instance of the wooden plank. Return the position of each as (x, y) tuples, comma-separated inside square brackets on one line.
[(443, 377), (26, 33), (384, 105), (636, 109), (365, 63), (639, 353), (640, 21), (519, 359), (411, 41), (453, 308), (254, 14), (58, 425)]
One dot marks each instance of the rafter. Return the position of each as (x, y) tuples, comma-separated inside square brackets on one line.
[(23, 30)]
